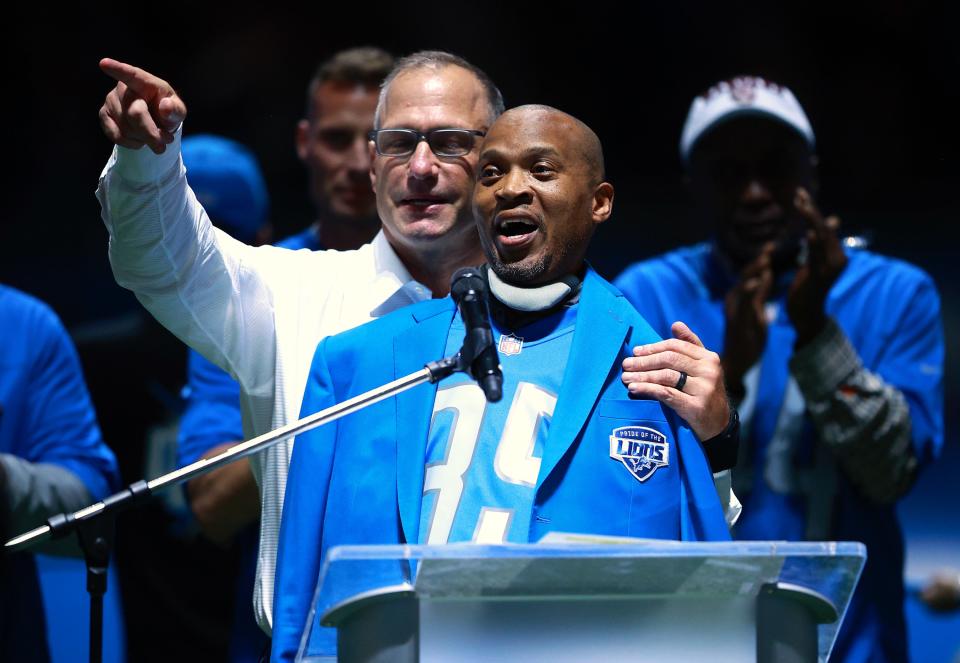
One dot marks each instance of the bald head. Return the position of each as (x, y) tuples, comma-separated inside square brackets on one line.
[(540, 194), (582, 139)]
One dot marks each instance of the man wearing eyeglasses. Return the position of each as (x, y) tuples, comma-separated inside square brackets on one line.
[(331, 141), (259, 312)]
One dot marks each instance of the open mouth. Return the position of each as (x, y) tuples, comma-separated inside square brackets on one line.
[(515, 230), (516, 227)]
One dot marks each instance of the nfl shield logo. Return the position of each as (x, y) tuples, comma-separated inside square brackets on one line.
[(642, 450), (510, 344)]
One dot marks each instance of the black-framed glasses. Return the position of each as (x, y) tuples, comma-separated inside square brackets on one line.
[(443, 142)]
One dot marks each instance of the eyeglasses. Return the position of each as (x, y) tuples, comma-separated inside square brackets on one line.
[(443, 142)]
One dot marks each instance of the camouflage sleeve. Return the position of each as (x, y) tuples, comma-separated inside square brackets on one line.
[(861, 418)]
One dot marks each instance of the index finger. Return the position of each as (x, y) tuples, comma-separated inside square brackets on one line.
[(671, 345), (142, 82)]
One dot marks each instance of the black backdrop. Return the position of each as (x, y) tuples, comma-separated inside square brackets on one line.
[(878, 80)]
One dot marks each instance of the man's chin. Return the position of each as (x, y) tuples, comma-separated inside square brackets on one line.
[(529, 271), (424, 228)]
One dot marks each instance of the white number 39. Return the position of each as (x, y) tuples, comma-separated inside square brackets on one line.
[(514, 461)]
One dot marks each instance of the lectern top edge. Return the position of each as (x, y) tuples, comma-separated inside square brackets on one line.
[(642, 547)]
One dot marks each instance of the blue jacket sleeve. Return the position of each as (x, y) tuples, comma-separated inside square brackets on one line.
[(300, 549), (912, 361), (212, 414), (60, 423), (701, 514)]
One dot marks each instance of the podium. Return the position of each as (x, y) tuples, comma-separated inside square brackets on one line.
[(580, 598)]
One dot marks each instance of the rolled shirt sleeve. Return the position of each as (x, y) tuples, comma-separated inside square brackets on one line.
[(199, 282)]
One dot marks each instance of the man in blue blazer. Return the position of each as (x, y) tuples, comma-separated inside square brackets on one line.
[(566, 449)]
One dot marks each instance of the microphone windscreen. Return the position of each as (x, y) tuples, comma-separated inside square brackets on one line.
[(466, 279)]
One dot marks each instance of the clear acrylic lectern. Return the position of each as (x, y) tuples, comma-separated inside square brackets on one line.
[(582, 600)]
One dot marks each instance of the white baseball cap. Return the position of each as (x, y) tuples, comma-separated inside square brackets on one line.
[(744, 95)]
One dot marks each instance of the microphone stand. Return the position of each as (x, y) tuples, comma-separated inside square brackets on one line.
[(94, 524)]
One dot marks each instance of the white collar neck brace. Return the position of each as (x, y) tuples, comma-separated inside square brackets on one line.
[(537, 298)]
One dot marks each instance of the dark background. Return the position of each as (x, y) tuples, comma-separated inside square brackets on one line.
[(878, 80)]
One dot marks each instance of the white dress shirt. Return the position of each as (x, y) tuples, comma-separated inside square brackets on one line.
[(256, 312)]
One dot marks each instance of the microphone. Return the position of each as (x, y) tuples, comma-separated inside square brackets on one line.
[(469, 290)]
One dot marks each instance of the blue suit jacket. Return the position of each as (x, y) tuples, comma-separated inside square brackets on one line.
[(360, 479)]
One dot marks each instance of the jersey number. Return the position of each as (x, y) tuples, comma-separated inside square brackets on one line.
[(514, 461)]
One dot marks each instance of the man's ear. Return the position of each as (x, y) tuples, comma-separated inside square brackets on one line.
[(373, 162), (302, 139), (602, 202)]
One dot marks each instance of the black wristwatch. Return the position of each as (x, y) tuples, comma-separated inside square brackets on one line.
[(722, 449)]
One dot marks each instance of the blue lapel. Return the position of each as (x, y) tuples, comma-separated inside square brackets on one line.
[(599, 334), (413, 348)]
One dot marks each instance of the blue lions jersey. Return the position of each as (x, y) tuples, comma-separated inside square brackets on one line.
[(609, 464), (483, 458)]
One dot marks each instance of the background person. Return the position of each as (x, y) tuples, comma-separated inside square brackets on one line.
[(52, 460), (331, 141), (834, 354)]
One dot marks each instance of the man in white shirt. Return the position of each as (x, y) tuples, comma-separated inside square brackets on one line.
[(259, 312)]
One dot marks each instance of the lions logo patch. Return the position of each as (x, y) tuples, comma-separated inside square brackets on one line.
[(642, 450)]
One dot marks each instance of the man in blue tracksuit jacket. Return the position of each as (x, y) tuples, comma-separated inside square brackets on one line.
[(566, 449), (52, 460), (835, 353)]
